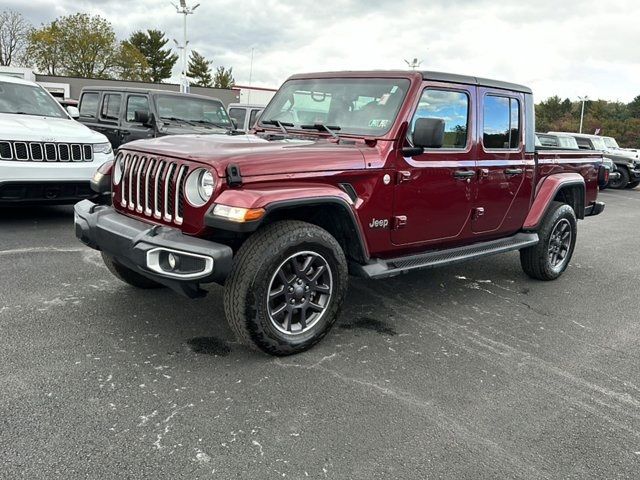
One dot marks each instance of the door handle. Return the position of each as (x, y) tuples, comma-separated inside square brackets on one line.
[(513, 171), (464, 174)]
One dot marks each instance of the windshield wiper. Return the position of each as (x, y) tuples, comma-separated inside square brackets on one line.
[(321, 126), (207, 122), (279, 124), (176, 119)]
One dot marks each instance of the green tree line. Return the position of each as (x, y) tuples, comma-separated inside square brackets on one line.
[(612, 119), (83, 45)]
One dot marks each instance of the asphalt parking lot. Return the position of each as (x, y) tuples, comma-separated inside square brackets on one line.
[(472, 371)]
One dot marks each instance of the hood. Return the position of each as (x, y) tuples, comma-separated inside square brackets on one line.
[(31, 128), (257, 155)]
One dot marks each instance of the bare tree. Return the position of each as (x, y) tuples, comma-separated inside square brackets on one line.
[(14, 32)]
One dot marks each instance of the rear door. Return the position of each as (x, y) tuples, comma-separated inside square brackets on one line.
[(435, 190), (109, 117), (503, 195)]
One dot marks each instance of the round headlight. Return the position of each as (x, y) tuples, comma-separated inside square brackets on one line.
[(118, 168), (199, 187)]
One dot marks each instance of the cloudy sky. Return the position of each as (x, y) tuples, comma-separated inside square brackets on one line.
[(568, 47)]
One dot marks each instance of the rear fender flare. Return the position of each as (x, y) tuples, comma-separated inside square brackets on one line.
[(546, 193)]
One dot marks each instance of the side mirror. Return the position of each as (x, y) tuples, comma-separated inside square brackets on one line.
[(142, 116), (73, 111), (428, 133)]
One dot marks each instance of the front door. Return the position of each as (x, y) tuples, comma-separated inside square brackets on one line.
[(130, 129), (503, 195), (435, 190)]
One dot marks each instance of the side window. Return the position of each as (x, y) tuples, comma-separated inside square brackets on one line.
[(89, 104), (111, 106), (547, 141), (584, 144), (134, 103), (253, 117), (501, 122), (450, 106), (238, 114)]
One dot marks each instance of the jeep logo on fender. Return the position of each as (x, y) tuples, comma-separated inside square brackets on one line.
[(379, 223)]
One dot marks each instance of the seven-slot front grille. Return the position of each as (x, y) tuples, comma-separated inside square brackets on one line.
[(153, 187), (49, 152)]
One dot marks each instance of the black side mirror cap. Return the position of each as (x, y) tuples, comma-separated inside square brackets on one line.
[(142, 116), (428, 133)]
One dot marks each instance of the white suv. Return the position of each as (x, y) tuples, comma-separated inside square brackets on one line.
[(45, 155)]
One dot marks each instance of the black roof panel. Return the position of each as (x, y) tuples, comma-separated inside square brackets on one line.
[(482, 82)]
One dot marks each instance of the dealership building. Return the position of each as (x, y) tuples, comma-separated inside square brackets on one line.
[(70, 87)]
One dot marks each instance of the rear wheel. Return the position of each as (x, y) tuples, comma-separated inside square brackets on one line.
[(551, 256), (286, 287), (633, 184), (127, 275), (622, 181)]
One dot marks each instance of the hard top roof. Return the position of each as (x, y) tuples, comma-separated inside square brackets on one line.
[(426, 75)]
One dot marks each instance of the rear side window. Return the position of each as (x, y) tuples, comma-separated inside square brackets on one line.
[(548, 141), (238, 114), (584, 144), (111, 106), (501, 123), (450, 106), (136, 103), (89, 104)]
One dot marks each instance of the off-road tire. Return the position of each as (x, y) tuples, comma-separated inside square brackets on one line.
[(535, 260), (622, 182), (127, 275), (631, 185), (256, 263)]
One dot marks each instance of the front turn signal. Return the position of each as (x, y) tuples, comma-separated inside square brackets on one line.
[(238, 214)]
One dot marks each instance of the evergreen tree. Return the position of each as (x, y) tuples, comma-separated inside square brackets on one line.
[(160, 60), (223, 78), (200, 70)]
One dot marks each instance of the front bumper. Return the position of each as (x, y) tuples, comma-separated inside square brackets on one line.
[(634, 174), (135, 244)]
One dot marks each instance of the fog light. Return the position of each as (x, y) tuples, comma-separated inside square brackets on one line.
[(172, 260)]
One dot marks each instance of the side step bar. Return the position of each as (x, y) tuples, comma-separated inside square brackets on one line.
[(379, 268)]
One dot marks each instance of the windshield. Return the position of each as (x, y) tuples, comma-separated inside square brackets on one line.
[(28, 100), (357, 106), (598, 144), (611, 143), (192, 110)]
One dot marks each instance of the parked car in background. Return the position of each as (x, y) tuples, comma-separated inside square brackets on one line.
[(369, 173), (613, 146), (627, 166), (558, 141), (127, 114), (45, 155), (566, 141), (244, 115)]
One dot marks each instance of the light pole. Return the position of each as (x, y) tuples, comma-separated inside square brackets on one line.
[(184, 10), (582, 99), (250, 75)]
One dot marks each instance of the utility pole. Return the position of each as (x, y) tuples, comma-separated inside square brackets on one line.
[(583, 100), (250, 75), (184, 10)]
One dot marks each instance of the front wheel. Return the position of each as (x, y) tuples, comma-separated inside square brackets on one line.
[(551, 256), (286, 287), (622, 181)]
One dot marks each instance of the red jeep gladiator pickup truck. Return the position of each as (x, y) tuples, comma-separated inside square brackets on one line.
[(364, 173)]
